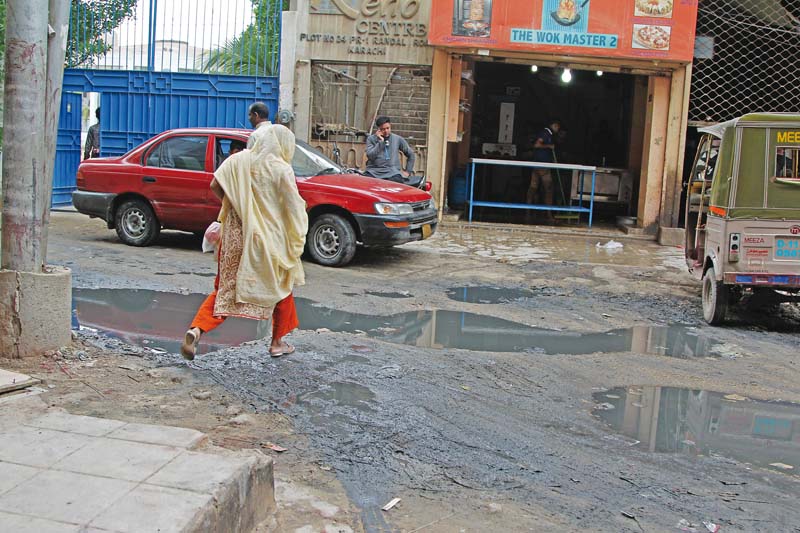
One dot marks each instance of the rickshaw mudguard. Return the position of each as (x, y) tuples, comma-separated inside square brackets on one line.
[(712, 259)]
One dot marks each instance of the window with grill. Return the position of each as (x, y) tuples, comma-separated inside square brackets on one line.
[(745, 59)]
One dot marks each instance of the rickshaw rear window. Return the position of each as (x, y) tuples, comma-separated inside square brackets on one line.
[(787, 163)]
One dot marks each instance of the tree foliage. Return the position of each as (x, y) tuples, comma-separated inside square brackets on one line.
[(256, 50), (89, 24)]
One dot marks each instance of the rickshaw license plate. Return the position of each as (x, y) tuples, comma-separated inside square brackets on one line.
[(426, 231), (787, 248)]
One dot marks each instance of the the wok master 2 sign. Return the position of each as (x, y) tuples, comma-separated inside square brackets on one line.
[(658, 29)]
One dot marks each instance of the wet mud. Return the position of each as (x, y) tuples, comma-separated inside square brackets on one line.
[(415, 397)]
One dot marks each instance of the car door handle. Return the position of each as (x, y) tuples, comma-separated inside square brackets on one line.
[(149, 179)]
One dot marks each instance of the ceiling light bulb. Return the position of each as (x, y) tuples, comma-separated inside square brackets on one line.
[(599, 72), (566, 76), (534, 68)]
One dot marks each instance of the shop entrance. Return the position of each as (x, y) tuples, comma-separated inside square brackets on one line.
[(504, 109)]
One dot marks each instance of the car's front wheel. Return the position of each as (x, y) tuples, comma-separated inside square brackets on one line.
[(136, 223), (331, 240)]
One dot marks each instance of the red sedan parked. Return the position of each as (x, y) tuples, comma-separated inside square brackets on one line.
[(164, 183)]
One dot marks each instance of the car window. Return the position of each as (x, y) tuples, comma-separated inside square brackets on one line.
[(309, 162), (223, 149), (182, 153)]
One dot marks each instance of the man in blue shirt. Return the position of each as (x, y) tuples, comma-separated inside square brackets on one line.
[(383, 158), (542, 178)]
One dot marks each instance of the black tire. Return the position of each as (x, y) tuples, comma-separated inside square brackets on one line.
[(331, 240), (136, 223), (715, 298)]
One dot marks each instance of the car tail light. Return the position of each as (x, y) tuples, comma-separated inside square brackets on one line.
[(428, 186), (733, 247), (79, 178)]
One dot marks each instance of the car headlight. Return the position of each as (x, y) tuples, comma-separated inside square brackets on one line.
[(431, 204), (394, 209)]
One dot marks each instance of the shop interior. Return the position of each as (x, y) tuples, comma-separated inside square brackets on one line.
[(502, 108)]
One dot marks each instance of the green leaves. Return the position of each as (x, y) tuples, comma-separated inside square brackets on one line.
[(90, 22), (255, 52)]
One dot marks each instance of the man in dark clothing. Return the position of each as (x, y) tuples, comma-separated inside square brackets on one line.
[(92, 146), (383, 158), (543, 152)]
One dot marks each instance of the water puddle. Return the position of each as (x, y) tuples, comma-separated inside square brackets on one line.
[(488, 295), (340, 394), (698, 422), (157, 320)]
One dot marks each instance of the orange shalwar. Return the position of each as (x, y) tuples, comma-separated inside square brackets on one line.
[(284, 315)]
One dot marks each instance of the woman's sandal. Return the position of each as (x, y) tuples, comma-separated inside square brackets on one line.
[(283, 350), (190, 341)]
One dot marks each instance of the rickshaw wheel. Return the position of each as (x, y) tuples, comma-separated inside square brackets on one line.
[(715, 298)]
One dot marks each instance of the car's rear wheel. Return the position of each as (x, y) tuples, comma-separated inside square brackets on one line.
[(715, 298), (136, 223), (331, 240)]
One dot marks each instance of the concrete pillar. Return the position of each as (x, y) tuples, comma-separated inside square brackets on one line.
[(35, 311), (652, 178), (437, 125)]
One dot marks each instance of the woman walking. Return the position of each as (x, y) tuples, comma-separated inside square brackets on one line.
[(264, 225)]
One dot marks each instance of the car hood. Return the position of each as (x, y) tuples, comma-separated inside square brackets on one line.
[(353, 184)]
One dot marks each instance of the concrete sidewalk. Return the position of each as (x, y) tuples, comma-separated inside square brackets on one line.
[(67, 473)]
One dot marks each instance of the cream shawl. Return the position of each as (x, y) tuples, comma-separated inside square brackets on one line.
[(260, 186)]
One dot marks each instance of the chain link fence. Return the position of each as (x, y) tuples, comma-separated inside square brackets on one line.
[(747, 59)]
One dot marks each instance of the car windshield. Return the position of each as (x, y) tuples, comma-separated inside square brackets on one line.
[(309, 162)]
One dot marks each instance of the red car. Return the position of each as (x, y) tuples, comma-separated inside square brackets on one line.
[(164, 183)]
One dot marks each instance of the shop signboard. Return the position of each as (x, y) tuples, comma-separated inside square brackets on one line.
[(368, 31), (648, 29)]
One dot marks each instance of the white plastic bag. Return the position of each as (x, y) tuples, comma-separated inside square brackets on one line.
[(610, 245), (211, 237)]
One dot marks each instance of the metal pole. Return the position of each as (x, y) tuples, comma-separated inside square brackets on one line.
[(151, 37), (471, 187), (23, 154), (56, 52)]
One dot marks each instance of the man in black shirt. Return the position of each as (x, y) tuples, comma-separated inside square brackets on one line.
[(543, 152)]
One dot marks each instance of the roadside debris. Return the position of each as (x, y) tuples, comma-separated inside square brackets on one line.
[(685, 525), (391, 504), (712, 527), (610, 245), (735, 397), (782, 466), (632, 517), (201, 395)]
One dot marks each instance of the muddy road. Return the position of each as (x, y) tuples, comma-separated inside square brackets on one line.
[(492, 381)]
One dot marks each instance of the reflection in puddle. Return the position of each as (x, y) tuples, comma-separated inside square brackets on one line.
[(487, 295), (696, 422), (158, 320)]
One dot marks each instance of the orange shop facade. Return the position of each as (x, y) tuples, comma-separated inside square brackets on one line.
[(614, 73)]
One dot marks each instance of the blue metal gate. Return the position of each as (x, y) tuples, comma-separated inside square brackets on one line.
[(152, 75), (68, 149)]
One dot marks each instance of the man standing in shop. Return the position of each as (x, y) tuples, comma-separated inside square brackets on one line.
[(383, 158), (541, 185)]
